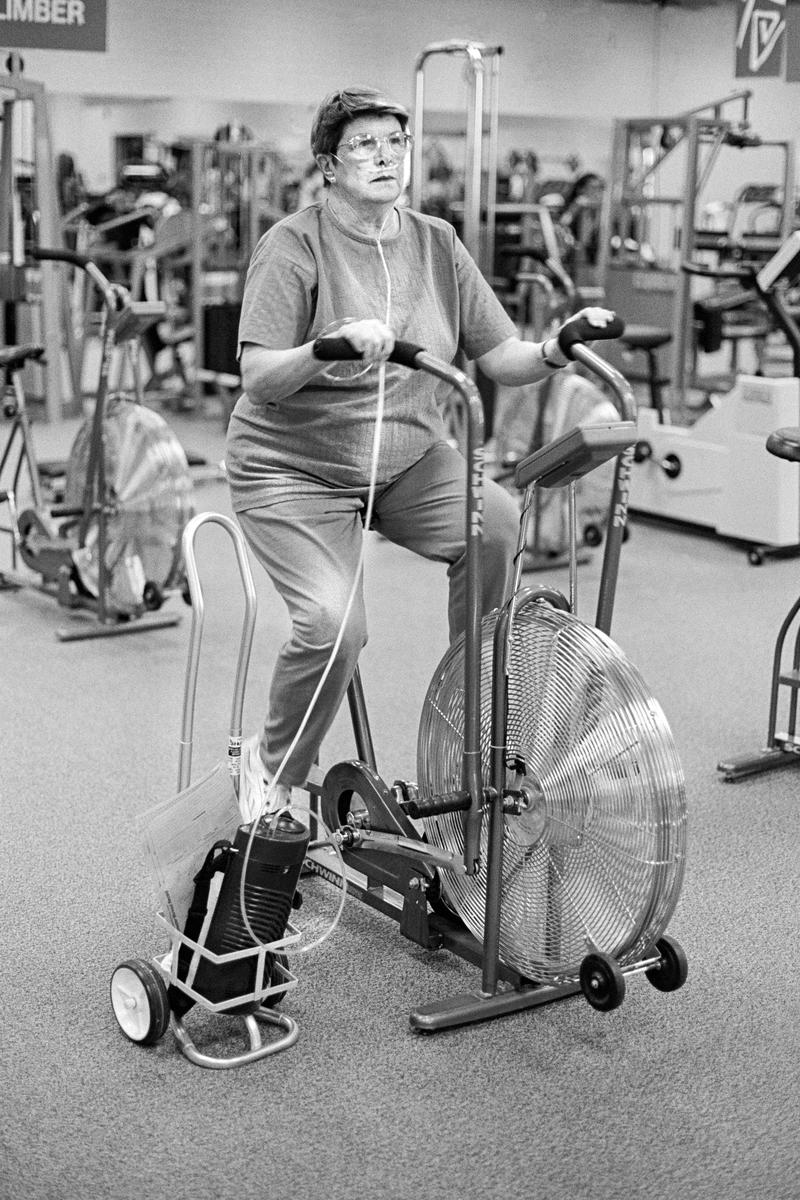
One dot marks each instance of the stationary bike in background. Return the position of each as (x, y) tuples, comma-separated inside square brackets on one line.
[(527, 418), (782, 747), (712, 473), (111, 544)]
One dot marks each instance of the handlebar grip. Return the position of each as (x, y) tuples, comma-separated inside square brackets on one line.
[(742, 272), (580, 330), (335, 349), (69, 256)]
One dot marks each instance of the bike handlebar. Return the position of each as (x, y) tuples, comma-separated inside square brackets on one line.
[(336, 349), (579, 330), (115, 296), (576, 332), (706, 272), (69, 256)]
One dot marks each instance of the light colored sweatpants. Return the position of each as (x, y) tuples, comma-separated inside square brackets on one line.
[(309, 545)]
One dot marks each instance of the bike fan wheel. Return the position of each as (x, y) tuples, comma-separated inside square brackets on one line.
[(596, 863), (149, 488)]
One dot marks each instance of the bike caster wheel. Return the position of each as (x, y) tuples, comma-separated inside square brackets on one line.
[(671, 972), (602, 981), (152, 597), (140, 1001)]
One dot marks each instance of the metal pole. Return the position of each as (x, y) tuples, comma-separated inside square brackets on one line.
[(682, 312), (471, 234), (481, 248), (492, 152), (198, 151)]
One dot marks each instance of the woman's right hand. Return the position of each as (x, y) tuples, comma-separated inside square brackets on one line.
[(371, 338)]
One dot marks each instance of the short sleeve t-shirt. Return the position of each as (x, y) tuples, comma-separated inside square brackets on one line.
[(308, 273)]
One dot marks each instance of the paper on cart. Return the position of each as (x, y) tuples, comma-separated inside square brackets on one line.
[(178, 833)]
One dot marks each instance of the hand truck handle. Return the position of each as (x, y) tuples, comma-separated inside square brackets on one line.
[(195, 639)]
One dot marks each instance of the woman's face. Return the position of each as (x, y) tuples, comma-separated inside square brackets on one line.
[(377, 180)]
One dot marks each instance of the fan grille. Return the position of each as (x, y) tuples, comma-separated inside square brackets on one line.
[(597, 861), (148, 477)]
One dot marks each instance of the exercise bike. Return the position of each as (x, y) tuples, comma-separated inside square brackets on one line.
[(550, 795), (549, 790), (712, 473), (782, 747), (531, 416), (111, 543)]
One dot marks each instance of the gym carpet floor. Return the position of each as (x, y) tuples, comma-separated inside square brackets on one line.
[(689, 1094)]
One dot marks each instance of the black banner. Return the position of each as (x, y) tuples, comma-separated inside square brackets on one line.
[(53, 24), (760, 37)]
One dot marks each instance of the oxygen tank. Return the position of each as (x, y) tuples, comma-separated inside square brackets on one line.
[(272, 866)]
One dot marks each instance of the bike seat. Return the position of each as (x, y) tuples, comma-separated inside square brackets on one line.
[(13, 358), (785, 443)]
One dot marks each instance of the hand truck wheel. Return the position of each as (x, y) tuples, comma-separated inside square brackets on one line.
[(140, 1001), (602, 981), (152, 596)]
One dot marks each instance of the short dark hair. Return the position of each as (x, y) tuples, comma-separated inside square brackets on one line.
[(337, 109)]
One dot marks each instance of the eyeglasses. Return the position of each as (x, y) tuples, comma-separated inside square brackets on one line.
[(367, 145)]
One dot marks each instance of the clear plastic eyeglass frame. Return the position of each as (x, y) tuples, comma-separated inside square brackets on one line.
[(366, 145)]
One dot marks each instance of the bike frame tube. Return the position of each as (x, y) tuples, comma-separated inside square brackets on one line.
[(626, 406), (359, 719), (494, 866), (22, 425), (472, 781)]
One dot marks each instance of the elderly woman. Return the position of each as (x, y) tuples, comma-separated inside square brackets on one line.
[(300, 441)]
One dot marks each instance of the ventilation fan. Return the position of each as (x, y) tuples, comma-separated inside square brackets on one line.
[(596, 861), (148, 477)]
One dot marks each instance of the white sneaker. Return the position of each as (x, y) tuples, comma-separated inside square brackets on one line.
[(257, 794)]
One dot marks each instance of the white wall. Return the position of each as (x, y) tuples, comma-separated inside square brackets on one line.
[(570, 66)]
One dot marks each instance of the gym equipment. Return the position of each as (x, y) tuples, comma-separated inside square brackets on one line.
[(480, 181), (528, 417), (112, 545), (228, 934), (552, 799), (781, 748), (26, 160), (560, 402), (660, 172), (549, 789), (712, 473)]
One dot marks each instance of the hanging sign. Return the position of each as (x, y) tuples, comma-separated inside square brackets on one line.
[(793, 41), (759, 37), (53, 24)]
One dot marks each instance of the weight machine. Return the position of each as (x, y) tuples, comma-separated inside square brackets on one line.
[(26, 163), (652, 221)]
